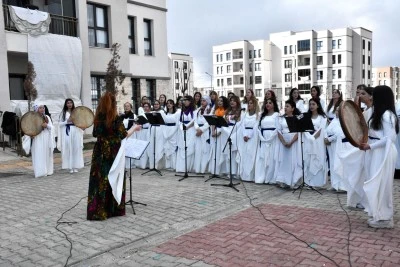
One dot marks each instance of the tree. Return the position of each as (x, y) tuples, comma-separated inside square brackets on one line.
[(114, 76), (29, 87)]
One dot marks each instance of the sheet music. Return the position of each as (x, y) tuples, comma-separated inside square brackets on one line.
[(135, 148)]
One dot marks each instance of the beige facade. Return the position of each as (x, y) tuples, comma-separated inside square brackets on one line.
[(139, 26), (387, 76)]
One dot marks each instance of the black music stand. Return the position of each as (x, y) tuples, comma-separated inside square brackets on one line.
[(155, 119), (300, 124), (229, 141), (141, 120), (186, 175), (218, 122)]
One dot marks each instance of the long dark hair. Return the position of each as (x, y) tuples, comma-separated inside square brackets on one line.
[(225, 102), (318, 91), (383, 99), (173, 106), (320, 111), (65, 108), (265, 111), (296, 111), (337, 103), (108, 108), (291, 95), (198, 104)]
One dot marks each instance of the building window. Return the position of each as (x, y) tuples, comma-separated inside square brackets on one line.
[(384, 74), (250, 66), (339, 74), (333, 74), (288, 64), (363, 59), (384, 82), (319, 45), (97, 25), (304, 74), (363, 73), (176, 64), (257, 66), (333, 86), (217, 70), (97, 86), (255, 53), (259, 52), (291, 49), (136, 97), (257, 79), (251, 80), (151, 89), (229, 81), (339, 86), (16, 86), (176, 75), (241, 93), (288, 77), (369, 46), (131, 36), (228, 56), (250, 54), (339, 43), (218, 82), (369, 74), (363, 44), (333, 44), (228, 69), (339, 59), (258, 92), (222, 82), (221, 57), (304, 89), (369, 60), (217, 56), (303, 45), (285, 50), (320, 60), (222, 69), (176, 86), (320, 75), (185, 65), (148, 50), (333, 59)]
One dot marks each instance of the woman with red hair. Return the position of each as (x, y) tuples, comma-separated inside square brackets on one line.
[(109, 131)]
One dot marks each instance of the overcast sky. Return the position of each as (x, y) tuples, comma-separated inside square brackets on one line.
[(194, 26)]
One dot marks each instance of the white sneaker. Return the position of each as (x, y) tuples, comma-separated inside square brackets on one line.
[(71, 171), (381, 224), (75, 170)]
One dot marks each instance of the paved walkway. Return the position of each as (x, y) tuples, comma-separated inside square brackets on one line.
[(187, 223)]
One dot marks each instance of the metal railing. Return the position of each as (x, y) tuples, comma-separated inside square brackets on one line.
[(59, 24)]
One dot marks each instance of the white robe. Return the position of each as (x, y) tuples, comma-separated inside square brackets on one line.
[(188, 121), (288, 165), (217, 144), (202, 153), (398, 136), (70, 143), (156, 139), (247, 150), (315, 163), (380, 163), (265, 160), (143, 134), (335, 136), (42, 151), (300, 105), (170, 145), (225, 157)]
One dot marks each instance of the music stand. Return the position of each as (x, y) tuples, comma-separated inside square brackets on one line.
[(218, 122), (139, 151), (155, 119), (186, 175), (300, 124), (141, 120), (229, 141)]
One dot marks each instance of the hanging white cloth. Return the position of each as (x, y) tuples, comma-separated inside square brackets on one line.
[(116, 173), (33, 22)]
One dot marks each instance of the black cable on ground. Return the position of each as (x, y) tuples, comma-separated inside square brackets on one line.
[(349, 233), (69, 223)]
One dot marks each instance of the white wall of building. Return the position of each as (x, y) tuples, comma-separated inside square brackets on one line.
[(178, 73)]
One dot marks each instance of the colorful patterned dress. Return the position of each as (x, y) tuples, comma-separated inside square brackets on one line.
[(101, 203)]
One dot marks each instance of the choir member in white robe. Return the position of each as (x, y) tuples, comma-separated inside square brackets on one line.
[(248, 141), (144, 134), (288, 166), (186, 131), (315, 162), (70, 140), (316, 94), (233, 117), (202, 153), (334, 141), (267, 132), (155, 150), (334, 103), (217, 140), (398, 137), (170, 131), (380, 159), (294, 95), (128, 118), (43, 146), (249, 95)]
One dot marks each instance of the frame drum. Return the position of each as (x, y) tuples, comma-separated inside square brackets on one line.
[(353, 123), (31, 123), (82, 117)]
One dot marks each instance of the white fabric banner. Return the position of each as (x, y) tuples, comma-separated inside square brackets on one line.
[(33, 22), (57, 60)]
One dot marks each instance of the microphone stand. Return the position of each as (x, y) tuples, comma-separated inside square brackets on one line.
[(229, 141), (214, 175)]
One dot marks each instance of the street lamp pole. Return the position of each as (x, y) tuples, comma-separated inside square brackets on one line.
[(211, 77)]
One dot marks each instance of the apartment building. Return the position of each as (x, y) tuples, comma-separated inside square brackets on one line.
[(387, 76), (242, 65), (181, 72), (138, 26), (332, 59)]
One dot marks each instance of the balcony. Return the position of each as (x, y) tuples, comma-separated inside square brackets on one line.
[(60, 25)]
